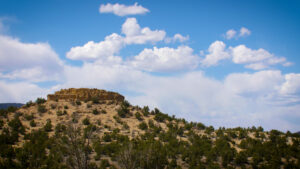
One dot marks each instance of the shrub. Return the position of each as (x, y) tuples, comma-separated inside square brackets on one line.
[(123, 111), (42, 109), (78, 102), (66, 107), (16, 125), (95, 112), (28, 104), (95, 100), (53, 106), (1, 123), (40, 100), (29, 117), (143, 126), (138, 116), (48, 126), (145, 111), (200, 126), (32, 123), (59, 113), (103, 112), (86, 121), (106, 137), (88, 106)]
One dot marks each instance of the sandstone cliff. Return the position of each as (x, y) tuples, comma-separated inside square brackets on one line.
[(84, 94)]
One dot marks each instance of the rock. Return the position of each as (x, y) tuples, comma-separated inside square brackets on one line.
[(84, 94)]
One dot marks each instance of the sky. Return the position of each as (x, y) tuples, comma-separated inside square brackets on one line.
[(222, 63)]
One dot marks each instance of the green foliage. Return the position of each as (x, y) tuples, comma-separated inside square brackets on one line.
[(143, 126), (42, 109), (123, 111), (16, 125), (145, 111), (28, 117), (86, 121), (95, 100), (60, 113), (40, 100), (29, 104), (138, 116), (103, 111), (78, 102), (66, 107), (209, 130), (32, 123), (48, 126), (95, 112)]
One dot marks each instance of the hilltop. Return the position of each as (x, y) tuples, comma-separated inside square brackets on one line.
[(91, 128)]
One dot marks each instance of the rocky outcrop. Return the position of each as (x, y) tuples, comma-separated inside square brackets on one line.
[(84, 94)]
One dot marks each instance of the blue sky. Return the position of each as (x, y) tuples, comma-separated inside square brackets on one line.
[(224, 63)]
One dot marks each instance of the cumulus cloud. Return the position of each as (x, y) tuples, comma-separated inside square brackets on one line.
[(252, 59), (230, 34), (255, 59), (177, 37), (136, 35), (166, 59), (291, 86), (217, 51), (123, 10), (244, 32), (105, 51), (29, 61), (102, 50)]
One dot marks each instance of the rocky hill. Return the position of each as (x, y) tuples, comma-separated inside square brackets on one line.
[(91, 128)]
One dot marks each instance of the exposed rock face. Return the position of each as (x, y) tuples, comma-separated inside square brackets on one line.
[(84, 94)]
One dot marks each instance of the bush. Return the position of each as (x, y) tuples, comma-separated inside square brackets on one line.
[(48, 126), (145, 111), (53, 106), (143, 126), (32, 123), (103, 112), (1, 123), (40, 100), (66, 107), (78, 102), (88, 106), (59, 113), (29, 117), (86, 121), (95, 112), (138, 116), (42, 109), (95, 100), (28, 104)]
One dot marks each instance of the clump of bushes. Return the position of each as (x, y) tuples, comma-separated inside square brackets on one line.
[(143, 126), (32, 123), (138, 116), (40, 100), (95, 112), (86, 121), (78, 102), (42, 109), (48, 126)]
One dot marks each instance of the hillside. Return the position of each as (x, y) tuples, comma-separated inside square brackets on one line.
[(90, 128)]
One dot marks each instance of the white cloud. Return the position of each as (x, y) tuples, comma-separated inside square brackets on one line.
[(217, 51), (28, 61), (241, 54), (244, 32), (177, 37), (123, 10), (20, 92), (255, 59), (136, 35), (230, 34), (102, 50), (242, 99), (291, 85), (166, 59)]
